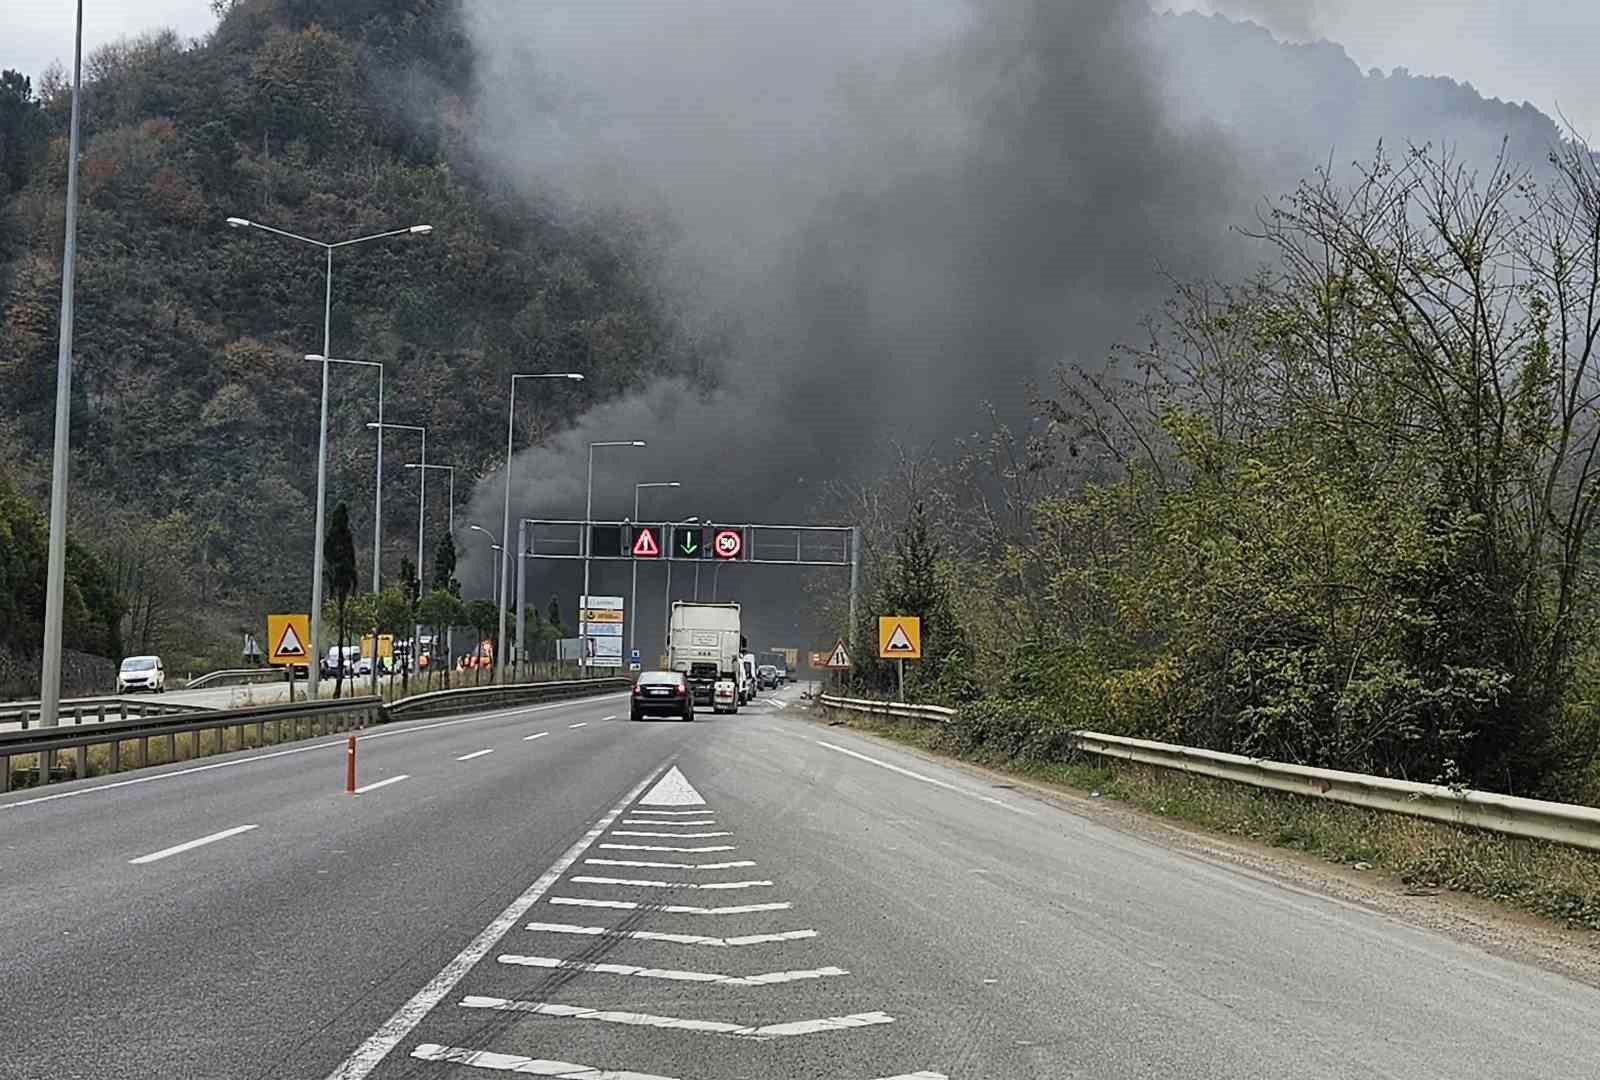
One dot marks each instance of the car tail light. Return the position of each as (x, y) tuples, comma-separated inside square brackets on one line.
[(681, 689), (635, 689)]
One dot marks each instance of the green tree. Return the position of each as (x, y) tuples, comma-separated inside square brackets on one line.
[(441, 610), (340, 577), (444, 566), (24, 131), (553, 613), (410, 591)]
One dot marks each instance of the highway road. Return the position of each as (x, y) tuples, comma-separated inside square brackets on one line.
[(559, 892)]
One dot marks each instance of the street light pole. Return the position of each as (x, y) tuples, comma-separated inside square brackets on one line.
[(588, 531), (633, 599), (377, 490), (422, 493), (56, 573), (322, 434), (505, 522)]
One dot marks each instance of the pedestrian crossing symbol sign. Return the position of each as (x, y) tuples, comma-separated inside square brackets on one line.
[(290, 636), (899, 637)]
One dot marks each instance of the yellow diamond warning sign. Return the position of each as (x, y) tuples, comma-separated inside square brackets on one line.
[(899, 637), (291, 638)]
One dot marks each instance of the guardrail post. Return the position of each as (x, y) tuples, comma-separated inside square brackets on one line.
[(116, 755), (102, 712)]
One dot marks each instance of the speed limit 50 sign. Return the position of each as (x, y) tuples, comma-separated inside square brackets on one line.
[(728, 544)]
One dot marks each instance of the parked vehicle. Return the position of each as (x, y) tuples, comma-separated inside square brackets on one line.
[(704, 647), (725, 696), (142, 673), (662, 693)]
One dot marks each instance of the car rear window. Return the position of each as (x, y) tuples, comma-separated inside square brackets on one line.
[(660, 678)]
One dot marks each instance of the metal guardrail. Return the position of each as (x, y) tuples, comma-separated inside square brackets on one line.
[(473, 698), (236, 677), (303, 720), (1562, 823), (96, 710)]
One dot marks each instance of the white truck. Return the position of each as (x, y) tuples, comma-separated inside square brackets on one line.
[(704, 645)]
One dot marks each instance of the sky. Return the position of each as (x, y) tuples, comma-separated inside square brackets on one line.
[(1534, 50)]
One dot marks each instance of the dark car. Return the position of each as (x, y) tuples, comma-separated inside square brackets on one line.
[(662, 693), (767, 677)]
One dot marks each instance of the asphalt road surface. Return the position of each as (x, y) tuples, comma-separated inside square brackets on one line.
[(559, 892)]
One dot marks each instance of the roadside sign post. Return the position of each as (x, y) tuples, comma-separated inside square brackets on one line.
[(290, 638), (900, 639)]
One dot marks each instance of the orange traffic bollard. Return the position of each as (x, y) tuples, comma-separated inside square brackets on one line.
[(350, 766)]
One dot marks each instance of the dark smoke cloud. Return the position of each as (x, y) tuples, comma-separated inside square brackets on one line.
[(907, 208)]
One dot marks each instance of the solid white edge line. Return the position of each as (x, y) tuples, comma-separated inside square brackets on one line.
[(338, 743), (190, 845), (475, 753), (382, 783), (958, 789), (405, 1019)]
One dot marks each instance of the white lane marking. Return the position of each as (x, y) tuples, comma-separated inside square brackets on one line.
[(405, 1019), (177, 849), (638, 884), (527, 1066), (536, 735), (778, 703), (338, 744), (676, 813), (603, 719), (714, 1027), (671, 836), (678, 850), (695, 824), (382, 783), (670, 865), (672, 909), (673, 789), (771, 978), (676, 939), (581, 723), (928, 779), (475, 753)]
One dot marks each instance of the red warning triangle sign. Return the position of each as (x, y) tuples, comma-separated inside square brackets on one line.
[(899, 642), (289, 643), (645, 546)]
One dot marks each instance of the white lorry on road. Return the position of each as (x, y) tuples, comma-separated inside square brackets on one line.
[(704, 645)]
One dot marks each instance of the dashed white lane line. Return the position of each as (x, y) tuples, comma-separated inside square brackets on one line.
[(714, 1027), (535, 735), (671, 836), (405, 1019), (178, 849), (475, 753), (669, 865), (382, 783), (676, 939), (641, 884), (771, 978), (581, 723), (928, 779), (334, 744), (695, 824), (676, 850), (669, 813), (527, 1066), (673, 789), (603, 719), (671, 909)]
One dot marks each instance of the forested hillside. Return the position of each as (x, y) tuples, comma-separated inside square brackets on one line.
[(194, 416)]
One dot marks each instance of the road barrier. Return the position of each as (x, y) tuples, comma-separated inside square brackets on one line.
[(237, 677), (477, 698), (1563, 823), (94, 710), (301, 719)]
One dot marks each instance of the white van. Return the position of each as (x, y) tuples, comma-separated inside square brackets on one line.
[(142, 673), (747, 677), (350, 655)]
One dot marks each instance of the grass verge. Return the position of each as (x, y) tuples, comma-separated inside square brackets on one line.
[(1546, 879)]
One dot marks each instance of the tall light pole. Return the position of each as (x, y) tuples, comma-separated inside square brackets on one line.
[(377, 488), (505, 523), (422, 495), (322, 431), (633, 599), (588, 523), (56, 574)]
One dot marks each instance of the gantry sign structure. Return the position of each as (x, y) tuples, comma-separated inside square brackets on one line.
[(681, 542)]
